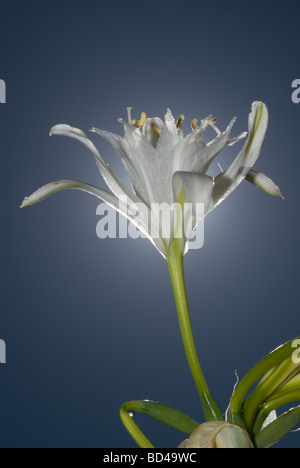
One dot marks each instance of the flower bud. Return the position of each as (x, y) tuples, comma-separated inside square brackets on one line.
[(218, 434)]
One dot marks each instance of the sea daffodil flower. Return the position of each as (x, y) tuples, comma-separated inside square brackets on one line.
[(167, 168)]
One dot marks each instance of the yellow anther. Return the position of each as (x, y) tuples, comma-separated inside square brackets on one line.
[(156, 129), (212, 121), (194, 124), (179, 121), (141, 122)]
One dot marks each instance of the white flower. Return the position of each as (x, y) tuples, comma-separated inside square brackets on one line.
[(167, 168)]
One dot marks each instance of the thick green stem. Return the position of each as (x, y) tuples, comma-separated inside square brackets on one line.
[(211, 408)]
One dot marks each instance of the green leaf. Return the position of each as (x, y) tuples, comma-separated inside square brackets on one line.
[(264, 390), (274, 404), (291, 385), (278, 428), (158, 411), (265, 365)]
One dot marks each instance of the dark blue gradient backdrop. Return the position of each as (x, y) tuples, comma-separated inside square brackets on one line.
[(91, 323)]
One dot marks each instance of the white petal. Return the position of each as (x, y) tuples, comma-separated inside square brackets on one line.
[(59, 185), (123, 205), (152, 179), (198, 155), (115, 184), (149, 133), (272, 417), (167, 159), (132, 163), (169, 137), (155, 165), (157, 162), (197, 189), (226, 182), (193, 146), (143, 157), (264, 183), (234, 140)]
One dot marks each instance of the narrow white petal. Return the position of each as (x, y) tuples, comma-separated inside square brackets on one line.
[(132, 164), (234, 140), (115, 184), (150, 169), (169, 137), (123, 205), (226, 182), (63, 184), (57, 186), (77, 134), (264, 183), (198, 155), (155, 165), (166, 159)]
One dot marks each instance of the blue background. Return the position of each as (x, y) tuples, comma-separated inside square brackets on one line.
[(91, 323)]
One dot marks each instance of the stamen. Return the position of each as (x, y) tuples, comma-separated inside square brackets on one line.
[(212, 124), (129, 115), (194, 124), (212, 121), (179, 121), (141, 122), (156, 129)]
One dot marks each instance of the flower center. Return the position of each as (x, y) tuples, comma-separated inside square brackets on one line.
[(194, 123)]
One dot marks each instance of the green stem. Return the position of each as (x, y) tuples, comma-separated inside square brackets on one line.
[(211, 408), (158, 411), (133, 429)]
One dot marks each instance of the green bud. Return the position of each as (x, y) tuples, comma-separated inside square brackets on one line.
[(218, 434)]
